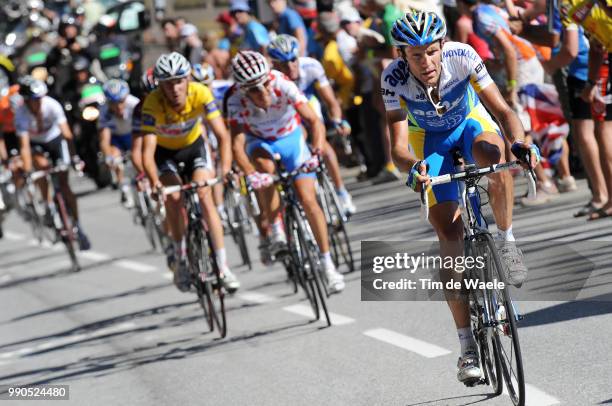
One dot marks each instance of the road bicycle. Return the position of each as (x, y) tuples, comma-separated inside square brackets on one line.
[(204, 270), (494, 316), (302, 259), (62, 224)]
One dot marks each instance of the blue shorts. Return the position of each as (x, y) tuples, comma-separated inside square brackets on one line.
[(292, 148), (123, 142), (435, 148)]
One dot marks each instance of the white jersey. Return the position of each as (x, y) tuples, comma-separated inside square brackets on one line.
[(312, 76), (119, 126), (279, 120), (49, 127), (463, 75)]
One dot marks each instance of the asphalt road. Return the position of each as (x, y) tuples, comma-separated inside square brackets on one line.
[(118, 332)]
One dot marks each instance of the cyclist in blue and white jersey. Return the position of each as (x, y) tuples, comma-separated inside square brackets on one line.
[(309, 75), (115, 130), (432, 95)]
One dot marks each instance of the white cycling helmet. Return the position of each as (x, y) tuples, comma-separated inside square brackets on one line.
[(284, 48), (250, 68), (171, 66)]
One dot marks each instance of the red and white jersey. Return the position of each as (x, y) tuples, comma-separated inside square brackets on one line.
[(278, 120)]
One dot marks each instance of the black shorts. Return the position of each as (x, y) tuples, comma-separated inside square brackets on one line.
[(193, 157), (581, 110), (57, 149), (12, 143)]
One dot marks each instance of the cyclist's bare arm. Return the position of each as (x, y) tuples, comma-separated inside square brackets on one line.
[(105, 137), (238, 146), (225, 143), (3, 151), (67, 134), (148, 157), (136, 154), (314, 123), (398, 127), (330, 101), (25, 152), (495, 103)]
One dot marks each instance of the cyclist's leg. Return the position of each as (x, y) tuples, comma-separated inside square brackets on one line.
[(165, 160), (484, 145), (40, 163)]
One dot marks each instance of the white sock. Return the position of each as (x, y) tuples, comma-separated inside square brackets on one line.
[(221, 257), (327, 259), (505, 235), (466, 339), (341, 191), (221, 208), (277, 227)]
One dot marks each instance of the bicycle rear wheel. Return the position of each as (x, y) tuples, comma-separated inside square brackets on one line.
[(505, 333), (311, 265), (66, 231), (297, 261), (339, 241)]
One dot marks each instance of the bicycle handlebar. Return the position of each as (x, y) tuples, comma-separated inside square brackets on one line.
[(190, 186), (472, 173), (44, 172)]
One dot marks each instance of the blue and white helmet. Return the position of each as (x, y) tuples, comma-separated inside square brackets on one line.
[(417, 28), (203, 73), (116, 90), (284, 48), (171, 66)]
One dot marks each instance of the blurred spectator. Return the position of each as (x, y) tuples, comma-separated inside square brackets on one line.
[(255, 35), (289, 22), (217, 54), (465, 33), (192, 45), (232, 32), (171, 34)]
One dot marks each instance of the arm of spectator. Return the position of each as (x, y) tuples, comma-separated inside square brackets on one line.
[(300, 34), (536, 34), (567, 52), (511, 63), (596, 59), (463, 28), (539, 7), (512, 10)]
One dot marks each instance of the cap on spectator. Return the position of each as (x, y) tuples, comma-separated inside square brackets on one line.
[(188, 30), (328, 22), (240, 5), (225, 18), (349, 15)]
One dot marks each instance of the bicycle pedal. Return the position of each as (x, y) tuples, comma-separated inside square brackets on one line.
[(470, 383)]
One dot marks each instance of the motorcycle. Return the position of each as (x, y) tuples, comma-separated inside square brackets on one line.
[(83, 116)]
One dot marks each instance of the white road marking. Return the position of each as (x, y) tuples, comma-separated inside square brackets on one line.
[(135, 266), (306, 311), (536, 397), (167, 275), (412, 344), (58, 342), (256, 297), (14, 236), (5, 278), (95, 256)]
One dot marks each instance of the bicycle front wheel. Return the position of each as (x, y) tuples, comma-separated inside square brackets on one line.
[(505, 333), (66, 231), (199, 269)]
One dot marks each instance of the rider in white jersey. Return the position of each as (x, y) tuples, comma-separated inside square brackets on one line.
[(42, 128), (265, 110), (309, 75), (115, 130), (433, 95)]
